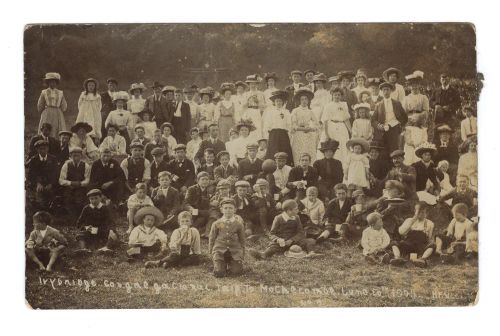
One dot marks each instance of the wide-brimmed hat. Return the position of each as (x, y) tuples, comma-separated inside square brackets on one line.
[(120, 95), (145, 111), (304, 91), (269, 75), (52, 76), (425, 147), (227, 87), (329, 145), (374, 81), (168, 88), (206, 91), (386, 84), (245, 123), (444, 129), (416, 77), (376, 145), (295, 251), (157, 84), (362, 105), (253, 79), (136, 86), (281, 94), (321, 77), (345, 73), (396, 153), (83, 125), (333, 79), (148, 210), (365, 145), (88, 80), (390, 71), (240, 83)]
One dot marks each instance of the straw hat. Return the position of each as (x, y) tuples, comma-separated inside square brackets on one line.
[(253, 79), (345, 73), (207, 91), (270, 75), (295, 251), (390, 71), (88, 80), (136, 86), (52, 76), (425, 147), (83, 125), (321, 77), (227, 87), (149, 210), (365, 145), (120, 95)]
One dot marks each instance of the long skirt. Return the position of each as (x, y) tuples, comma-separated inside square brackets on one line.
[(303, 142), (279, 141), (338, 131), (55, 117)]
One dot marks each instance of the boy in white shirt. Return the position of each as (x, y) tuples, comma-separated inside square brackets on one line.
[(451, 244), (468, 126), (375, 240)]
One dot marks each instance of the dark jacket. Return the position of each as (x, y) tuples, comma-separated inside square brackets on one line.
[(290, 229), (245, 167), (97, 217), (155, 170), (99, 174), (407, 175), (160, 108), (217, 146), (329, 170), (297, 174), (45, 173), (350, 98), (168, 204), (425, 173), (221, 173), (54, 146), (448, 153), (334, 214), (198, 199), (450, 98), (184, 170), (182, 124), (291, 104)]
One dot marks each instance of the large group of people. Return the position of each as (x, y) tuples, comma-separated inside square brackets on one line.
[(342, 158)]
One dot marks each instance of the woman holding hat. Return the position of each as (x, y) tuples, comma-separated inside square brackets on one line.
[(304, 126), (82, 139), (225, 111), (254, 105), (52, 104), (277, 124), (206, 109), (89, 108), (136, 103), (270, 79)]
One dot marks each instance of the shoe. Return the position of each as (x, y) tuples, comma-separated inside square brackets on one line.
[(397, 262), (447, 259), (371, 259), (422, 263), (256, 254), (386, 259)]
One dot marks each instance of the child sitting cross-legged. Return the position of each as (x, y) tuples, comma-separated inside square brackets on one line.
[(286, 231), (137, 201), (312, 211), (45, 244), (226, 242), (375, 240), (95, 223), (184, 245), (146, 238), (450, 245)]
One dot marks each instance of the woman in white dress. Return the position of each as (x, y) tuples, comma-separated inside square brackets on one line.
[(270, 79), (304, 126), (136, 103), (253, 107), (321, 98), (89, 108), (206, 109), (467, 164), (239, 146), (360, 82), (239, 99), (336, 119)]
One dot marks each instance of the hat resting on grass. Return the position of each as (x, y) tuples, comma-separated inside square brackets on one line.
[(295, 251)]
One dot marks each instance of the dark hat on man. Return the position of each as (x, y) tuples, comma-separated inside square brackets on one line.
[(157, 84), (391, 71), (65, 132), (386, 84), (40, 143), (444, 129), (281, 155), (136, 144), (158, 151), (376, 145), (345, 73), (94, 192), (80, 125), (329, 145), (396, 153), (279, 94), (179, 147), (111, 80)]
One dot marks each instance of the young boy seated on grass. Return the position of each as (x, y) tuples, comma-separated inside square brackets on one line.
[(146, 238), (312, 211), (286, 231), (184, 245), (222, 191), (137, 201), (45, 244), (226, 242), (198, 201), (225, 170), (244, 207), (96, 225), (375, 240), (208, 166), (393, 207), (356, 221), (450, 245), (417, 238), (167, 199), (336, 213), (265, 206)]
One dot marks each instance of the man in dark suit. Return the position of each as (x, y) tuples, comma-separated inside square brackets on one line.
[(447, 150), (336, 212), (388, 119), (212, 142), (250, 167), (41, 177), (45, 130), (348, 96), (140, 136), (425, 169), (296, 76), (107, 102), (63, 153), (198, 201), (182, 170), (167, 199), (301, 177), (181, 119), (329, 170), (106, 175), (403, 173), (158, 104), (445, 101), (158, 164)]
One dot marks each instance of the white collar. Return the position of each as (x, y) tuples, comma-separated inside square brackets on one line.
[(43, 232), (98, 205), (445, 87), (286, 217), (43, 158)]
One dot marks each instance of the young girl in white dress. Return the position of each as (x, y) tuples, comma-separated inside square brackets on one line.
[(89, 108), (357, 165), (362, 126), (239, 146), (304, 126), (336, 119), (321, 98), (136, 103)]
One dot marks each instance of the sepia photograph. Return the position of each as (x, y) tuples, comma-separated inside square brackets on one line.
[(239, 165)]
